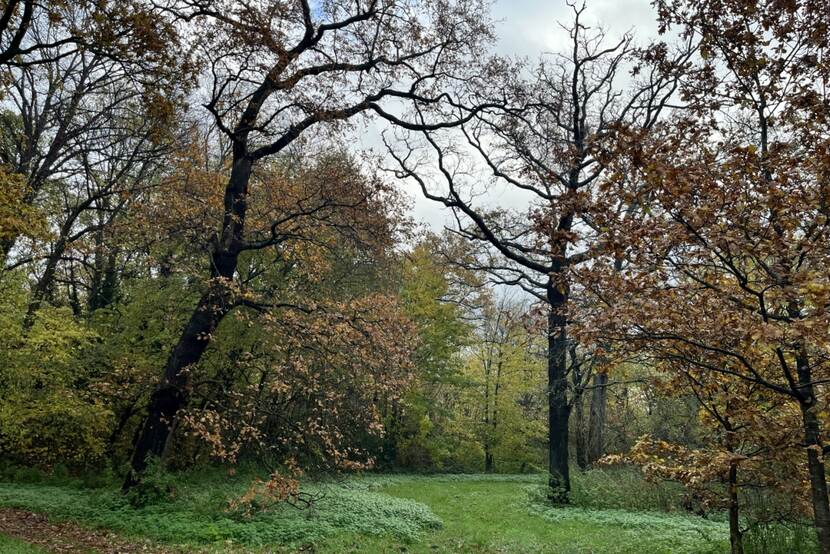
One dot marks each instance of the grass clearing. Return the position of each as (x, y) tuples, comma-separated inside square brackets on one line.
[(614, 512), (493, 514), (195, 515)]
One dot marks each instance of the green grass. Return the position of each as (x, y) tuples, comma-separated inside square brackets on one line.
[(195, 514), (9, 545), (490, 515), (614, 512)]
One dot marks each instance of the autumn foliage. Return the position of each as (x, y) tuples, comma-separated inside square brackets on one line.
[(202, 265)]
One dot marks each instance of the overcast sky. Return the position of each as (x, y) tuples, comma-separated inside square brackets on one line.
[(529, 28)]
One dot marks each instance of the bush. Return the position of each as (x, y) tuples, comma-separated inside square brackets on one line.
[(780, 539), (56, 427)]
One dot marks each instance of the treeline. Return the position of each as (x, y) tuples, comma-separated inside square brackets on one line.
[(199, 268)]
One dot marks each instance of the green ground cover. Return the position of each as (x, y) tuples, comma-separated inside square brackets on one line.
[(613, 512), (9, 545)]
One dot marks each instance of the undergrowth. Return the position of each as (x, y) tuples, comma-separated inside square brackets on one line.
[(482, 513), (194, 512), (9, 545)]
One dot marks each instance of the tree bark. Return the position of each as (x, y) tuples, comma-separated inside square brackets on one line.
[(558, 409), (6, 246), (580, 440), (170, 395), (41, 290), (488, 449), (489, 462), (494, 418), (105, 277), (596, 418), (818, 480)]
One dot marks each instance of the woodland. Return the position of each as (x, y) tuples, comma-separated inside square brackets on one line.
[(223, 328)]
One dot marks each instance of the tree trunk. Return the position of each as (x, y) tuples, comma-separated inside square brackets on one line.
[(488, 450), (121, 424), (41, 291), (105, 277), (815, 459), (558, 410), (170, 395), (735, 535), (6, 246), (494, 418), (74, 298), (818, 480), (596, 418)]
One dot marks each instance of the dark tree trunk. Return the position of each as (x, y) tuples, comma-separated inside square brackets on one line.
[(558, 408), (815, 459), (170, 395), (818, 480), (735, 535), (489, 462), (104, 278), (44, 284), (120, 425), (5, 248), (489, 459), (488, 450), (596, 418), (74, 298)]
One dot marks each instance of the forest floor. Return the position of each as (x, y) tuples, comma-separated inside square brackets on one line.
[(613, 512)]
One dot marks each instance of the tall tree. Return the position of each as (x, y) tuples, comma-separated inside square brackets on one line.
[(729, 266), (278, 69), (542, 147), (64, 94)]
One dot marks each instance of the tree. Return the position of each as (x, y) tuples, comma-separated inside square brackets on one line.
[(422, 430), (543, 145), (728, 269), (127, 30), (504, 367), (67, 98), (278, 69), (731, 463)]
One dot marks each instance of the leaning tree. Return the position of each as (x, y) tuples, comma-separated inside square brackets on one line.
[(279, 70)]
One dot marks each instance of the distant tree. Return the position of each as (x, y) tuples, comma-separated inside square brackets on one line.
[(423, 430), (505, 373)]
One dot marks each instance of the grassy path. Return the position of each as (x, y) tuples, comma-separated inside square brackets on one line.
[(496, 516)]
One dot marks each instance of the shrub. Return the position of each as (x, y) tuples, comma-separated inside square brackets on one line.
[(51, 428)]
